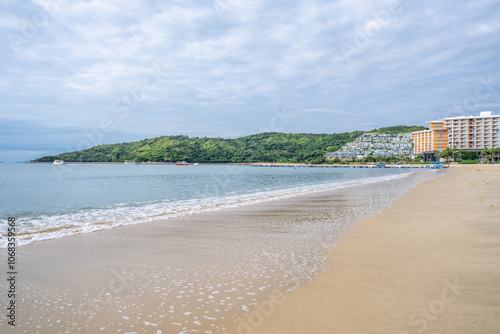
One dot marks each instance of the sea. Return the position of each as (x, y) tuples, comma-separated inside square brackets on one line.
[(52, 201), (217, 245)]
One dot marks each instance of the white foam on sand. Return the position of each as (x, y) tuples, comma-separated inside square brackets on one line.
[(86, 221), (273, 254)]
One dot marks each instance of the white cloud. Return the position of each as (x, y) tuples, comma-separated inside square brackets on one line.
[(225, 67), (484, 28)]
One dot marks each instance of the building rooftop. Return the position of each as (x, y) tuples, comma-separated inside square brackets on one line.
[(481, 114)]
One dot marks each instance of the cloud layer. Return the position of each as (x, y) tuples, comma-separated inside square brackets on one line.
[(76, 73)]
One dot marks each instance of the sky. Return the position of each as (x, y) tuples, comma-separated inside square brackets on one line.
[(75, 74)]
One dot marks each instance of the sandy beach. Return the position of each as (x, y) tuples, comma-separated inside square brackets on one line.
[(196, 273), (429, 264)]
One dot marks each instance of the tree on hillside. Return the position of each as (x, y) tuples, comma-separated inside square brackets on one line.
[(269, 147), (399, 129)]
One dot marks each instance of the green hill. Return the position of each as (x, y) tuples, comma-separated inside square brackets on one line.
[(269, 146), (399, 129)]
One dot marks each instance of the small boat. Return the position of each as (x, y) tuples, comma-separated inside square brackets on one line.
[(181, 163), (59, 162), (195, 164), (130, 162)]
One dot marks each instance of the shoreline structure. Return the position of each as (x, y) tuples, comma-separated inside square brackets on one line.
[(429, 264)]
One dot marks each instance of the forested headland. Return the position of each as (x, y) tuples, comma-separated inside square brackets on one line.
[(269, 147)]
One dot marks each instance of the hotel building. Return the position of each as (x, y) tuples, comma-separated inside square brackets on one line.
[(471, 132), (435, 139), (462, 132)]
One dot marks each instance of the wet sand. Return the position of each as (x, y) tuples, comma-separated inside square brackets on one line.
[(196, 274), (429, 264)]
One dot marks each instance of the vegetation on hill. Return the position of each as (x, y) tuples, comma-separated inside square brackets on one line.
[(399, 129), (269, 147)]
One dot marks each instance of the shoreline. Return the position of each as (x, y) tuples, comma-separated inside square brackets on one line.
[(266, 164), (153, 212), (169, 163), (429, 264), (186, 267)]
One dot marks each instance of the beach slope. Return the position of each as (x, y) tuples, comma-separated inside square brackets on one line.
[(429, 264)]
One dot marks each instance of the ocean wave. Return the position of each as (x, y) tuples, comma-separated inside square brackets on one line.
[(31, 229)]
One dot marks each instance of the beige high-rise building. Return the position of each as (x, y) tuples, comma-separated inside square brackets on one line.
[(462, 132)]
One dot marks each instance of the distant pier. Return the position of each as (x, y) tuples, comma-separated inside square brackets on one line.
[(428, 166)]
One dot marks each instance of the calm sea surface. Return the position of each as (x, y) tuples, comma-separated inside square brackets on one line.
[(193, 274), (51, 201)]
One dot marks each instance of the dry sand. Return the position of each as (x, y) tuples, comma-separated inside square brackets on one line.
[(429, 264)]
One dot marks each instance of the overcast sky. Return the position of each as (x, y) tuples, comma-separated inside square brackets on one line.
[(75, 74)]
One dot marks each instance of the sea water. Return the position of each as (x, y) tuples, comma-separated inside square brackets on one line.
[(261, 233), (52, 201)]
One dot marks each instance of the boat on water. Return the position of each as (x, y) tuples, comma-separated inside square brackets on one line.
[(130, 162), (181, 163), (195, 164), (59, 162)]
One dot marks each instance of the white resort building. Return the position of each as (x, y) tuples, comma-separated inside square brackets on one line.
[(463, 132)]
